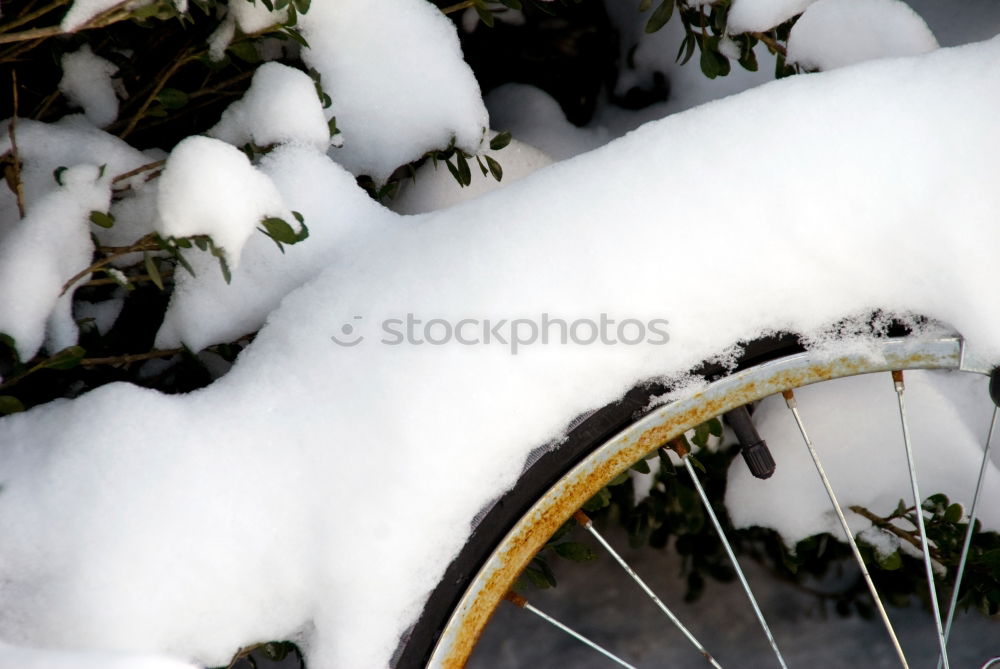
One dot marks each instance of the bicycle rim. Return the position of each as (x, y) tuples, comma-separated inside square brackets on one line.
[(491, 577)]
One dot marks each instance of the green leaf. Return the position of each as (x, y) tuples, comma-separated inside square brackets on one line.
[(224, 267), (500, 141), (278, 230), (296, 36), (332, 125), (598, 501), (543, 7), (495, 168), (701, 435), (57, 173), (10, 404), (538, 578), (575, 551), (267, 3), (152, 271), (687, 49), (482, 167), (642, 467), (715, 427), (68, 358), (102, 219), (303, 233), (618, 480), (454, 170), (485, 15), (890, 562), (172, 98), (660, 16), (302, 6), (709, 63), (644, 5), (666, 464), (464, 171), (953, 513), (694, 461), (245, 51), (748, 60)]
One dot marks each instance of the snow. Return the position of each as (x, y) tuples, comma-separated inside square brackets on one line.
[(210, 188), (762, 15), (287, 442), (204, 310), (72, 140), (82, 11), (317, 491), (43, 251), (281, 106), (399, 86), (12, 657), (835, 33), (87, 83), (249, 17)]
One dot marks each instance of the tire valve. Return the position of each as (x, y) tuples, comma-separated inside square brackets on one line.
[(755, 451)]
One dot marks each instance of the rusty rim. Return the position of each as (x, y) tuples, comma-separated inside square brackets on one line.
[(616, 455)]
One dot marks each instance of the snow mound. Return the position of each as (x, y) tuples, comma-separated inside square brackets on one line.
[(761, 15), (44, 251), (399, 86), (835, 33), (205, 310), (87, 84), (210, 188), (281, 106)]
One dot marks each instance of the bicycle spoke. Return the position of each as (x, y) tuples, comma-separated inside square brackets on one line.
[(682, 451), (953, 604), (582, 519), (897, 381), (793, 406), (523, 603)]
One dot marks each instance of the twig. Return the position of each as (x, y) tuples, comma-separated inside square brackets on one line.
[(457, 7), (909, 537), (129, 358), (771, 43), (147, 243), (108, 280), (31, 16), (183, 60), (111, 15), (11, 132), (139, 170), (223, 84)]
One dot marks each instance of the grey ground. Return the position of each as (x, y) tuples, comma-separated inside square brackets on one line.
[(599, 600)]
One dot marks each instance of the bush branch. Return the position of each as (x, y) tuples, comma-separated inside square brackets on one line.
[(129, 358), (909, 537), (31, 16), (111, 15), (18, 185), (146, 243), (771, 43)]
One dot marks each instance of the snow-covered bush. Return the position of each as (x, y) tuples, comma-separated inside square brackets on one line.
[(181, 173)]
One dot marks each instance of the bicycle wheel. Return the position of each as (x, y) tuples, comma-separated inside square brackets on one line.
[(607, 443)]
